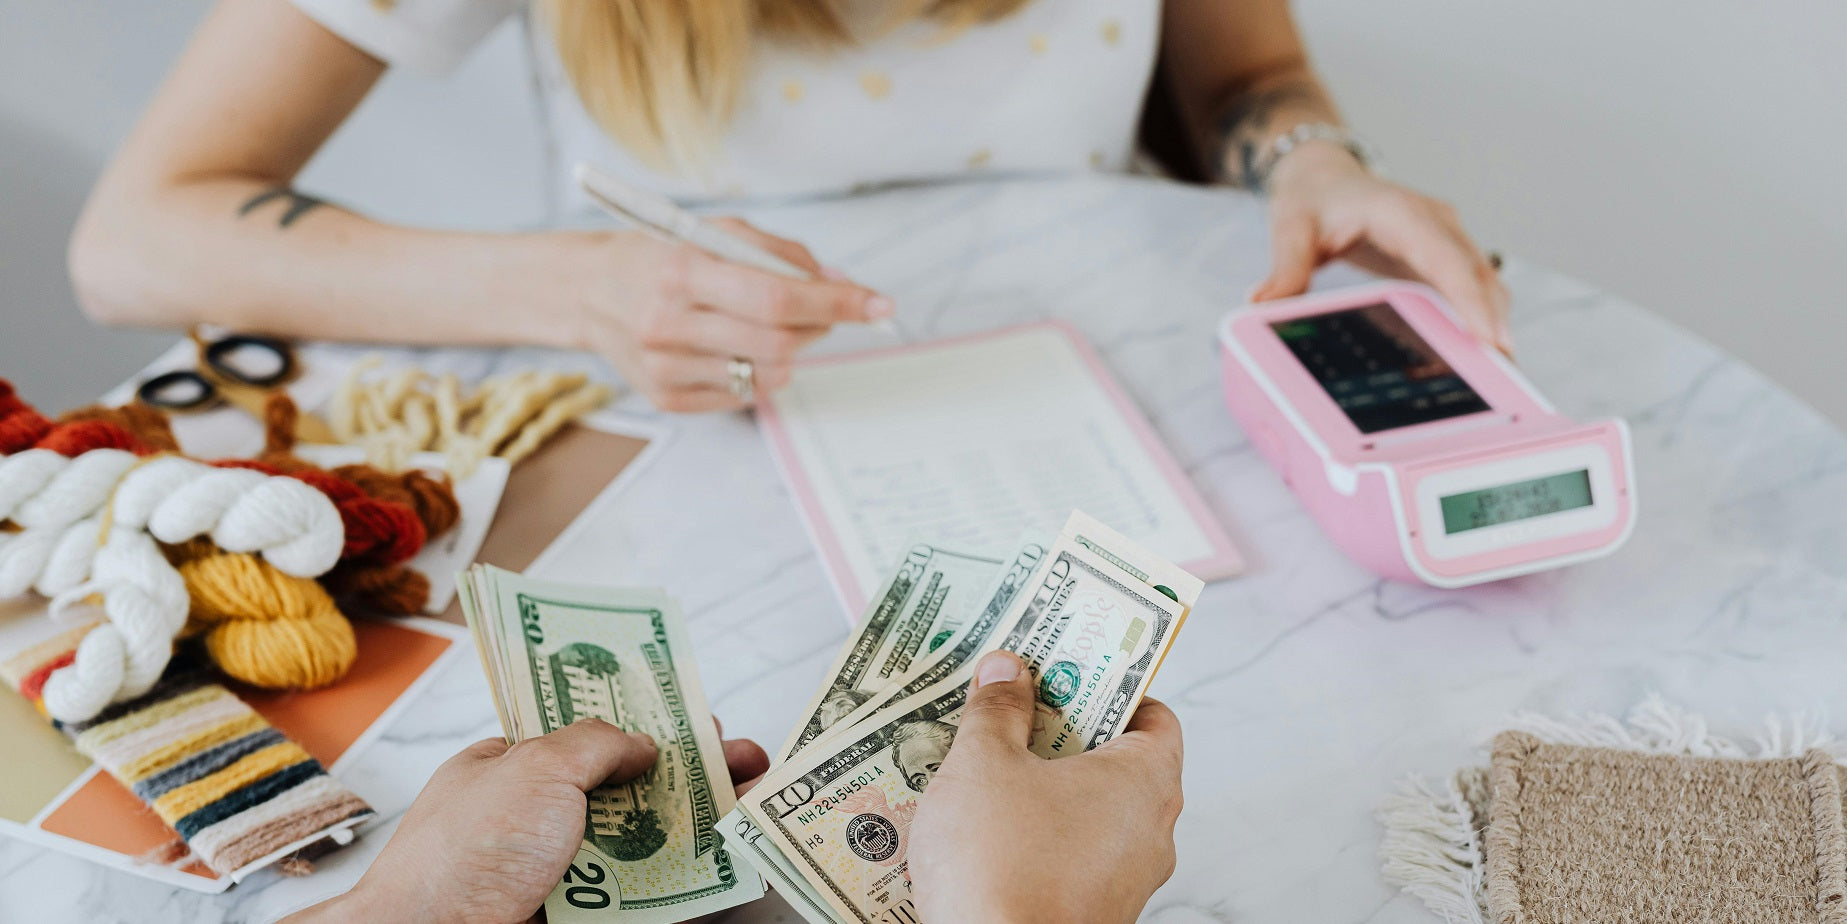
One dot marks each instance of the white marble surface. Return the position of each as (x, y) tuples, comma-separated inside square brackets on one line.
[(1307, 687)]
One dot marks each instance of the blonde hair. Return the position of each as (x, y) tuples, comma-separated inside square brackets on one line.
[(663, 77)]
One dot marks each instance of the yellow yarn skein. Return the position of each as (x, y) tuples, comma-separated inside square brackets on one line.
[(266, 628)]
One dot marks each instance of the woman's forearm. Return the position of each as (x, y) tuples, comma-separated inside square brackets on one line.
[(253, 256), (1240, 77), (1248, 120)]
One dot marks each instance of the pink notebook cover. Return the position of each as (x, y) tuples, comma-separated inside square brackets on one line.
[(1222, 562)]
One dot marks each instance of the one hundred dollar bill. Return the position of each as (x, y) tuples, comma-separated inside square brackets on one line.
[(839, 812), (556, 653), (921, 606)]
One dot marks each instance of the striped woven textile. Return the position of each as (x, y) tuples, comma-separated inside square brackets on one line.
[(232, 786)]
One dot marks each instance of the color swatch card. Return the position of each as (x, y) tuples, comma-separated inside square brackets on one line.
[(964, 440)]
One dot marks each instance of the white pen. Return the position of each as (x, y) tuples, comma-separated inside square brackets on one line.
[(658, 215)]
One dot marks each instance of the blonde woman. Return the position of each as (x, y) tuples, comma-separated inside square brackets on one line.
[(196, 220)]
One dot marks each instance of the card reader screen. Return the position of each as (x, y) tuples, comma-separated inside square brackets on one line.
[(1381, 373), (1518, 501)]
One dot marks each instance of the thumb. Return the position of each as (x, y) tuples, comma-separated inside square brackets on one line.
[(1000, 704), (1292, 259), (588, 752)]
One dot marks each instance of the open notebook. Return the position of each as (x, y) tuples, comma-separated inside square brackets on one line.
[(966, 441)]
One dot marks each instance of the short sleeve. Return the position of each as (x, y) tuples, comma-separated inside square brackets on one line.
[(429, 36)]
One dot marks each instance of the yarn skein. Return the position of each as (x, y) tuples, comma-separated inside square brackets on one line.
[(121, 658), (40, 488), (175, 499), (49, 560), (375, 530), (265, 627), (147, 424), (412, 491), (22, 427)]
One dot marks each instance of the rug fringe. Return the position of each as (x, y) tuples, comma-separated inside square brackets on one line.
[(1432, 851), (1656, 727)]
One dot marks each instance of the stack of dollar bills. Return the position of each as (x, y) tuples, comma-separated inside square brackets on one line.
[(556, 653), (1091, 613)]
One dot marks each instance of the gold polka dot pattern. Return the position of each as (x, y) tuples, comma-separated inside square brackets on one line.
[(876, 84)]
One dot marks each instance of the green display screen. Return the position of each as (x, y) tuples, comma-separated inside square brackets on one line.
[(1521, 500)]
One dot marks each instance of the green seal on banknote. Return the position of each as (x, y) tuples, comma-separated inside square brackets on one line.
[(941, 637), (1059, 684)]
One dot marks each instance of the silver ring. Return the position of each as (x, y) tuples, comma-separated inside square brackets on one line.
[(741, 375)]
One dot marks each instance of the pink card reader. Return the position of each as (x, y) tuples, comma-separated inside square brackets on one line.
[(1423, 453)]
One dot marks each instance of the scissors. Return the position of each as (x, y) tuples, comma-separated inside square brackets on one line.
[(242, 369)]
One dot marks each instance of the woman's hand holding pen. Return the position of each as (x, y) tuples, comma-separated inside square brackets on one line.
[(672, 317), (1324, 204)]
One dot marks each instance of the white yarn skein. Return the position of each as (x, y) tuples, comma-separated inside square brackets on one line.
[(23, 557), (295, 527), (24, 474), (49, 561), (153, 482), (193, 508), (78, 488), (71, 558), (146, 603)]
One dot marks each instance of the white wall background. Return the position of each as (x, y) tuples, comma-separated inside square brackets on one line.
[(1690, 155)]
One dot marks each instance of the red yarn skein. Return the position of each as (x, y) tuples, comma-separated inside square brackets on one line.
[(378, 531), (22, 427)]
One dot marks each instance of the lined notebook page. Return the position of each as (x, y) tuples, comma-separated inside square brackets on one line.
[(967, 443)]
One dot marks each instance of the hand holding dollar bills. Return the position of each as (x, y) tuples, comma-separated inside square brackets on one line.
[(1090, 614), (556, 653), (1008, 836)]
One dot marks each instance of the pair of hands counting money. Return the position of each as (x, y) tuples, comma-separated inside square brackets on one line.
[(965, 677)]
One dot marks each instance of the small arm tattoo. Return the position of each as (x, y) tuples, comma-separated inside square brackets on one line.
[(299, 204), (1248, 124)]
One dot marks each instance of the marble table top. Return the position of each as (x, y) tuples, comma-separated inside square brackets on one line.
[(1308, 687)]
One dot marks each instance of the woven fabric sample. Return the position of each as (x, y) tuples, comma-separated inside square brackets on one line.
[(233, 787), (1578, 834)]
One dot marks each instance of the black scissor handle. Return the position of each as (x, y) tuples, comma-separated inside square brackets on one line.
[(159, 391), (217, 355)]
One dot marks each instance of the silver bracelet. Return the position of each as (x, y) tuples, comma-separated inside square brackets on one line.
[(1282, 144)]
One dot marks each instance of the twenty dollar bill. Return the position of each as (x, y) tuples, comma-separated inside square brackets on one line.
[(557, 653)]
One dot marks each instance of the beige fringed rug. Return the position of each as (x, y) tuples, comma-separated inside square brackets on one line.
[(1592, 820)]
